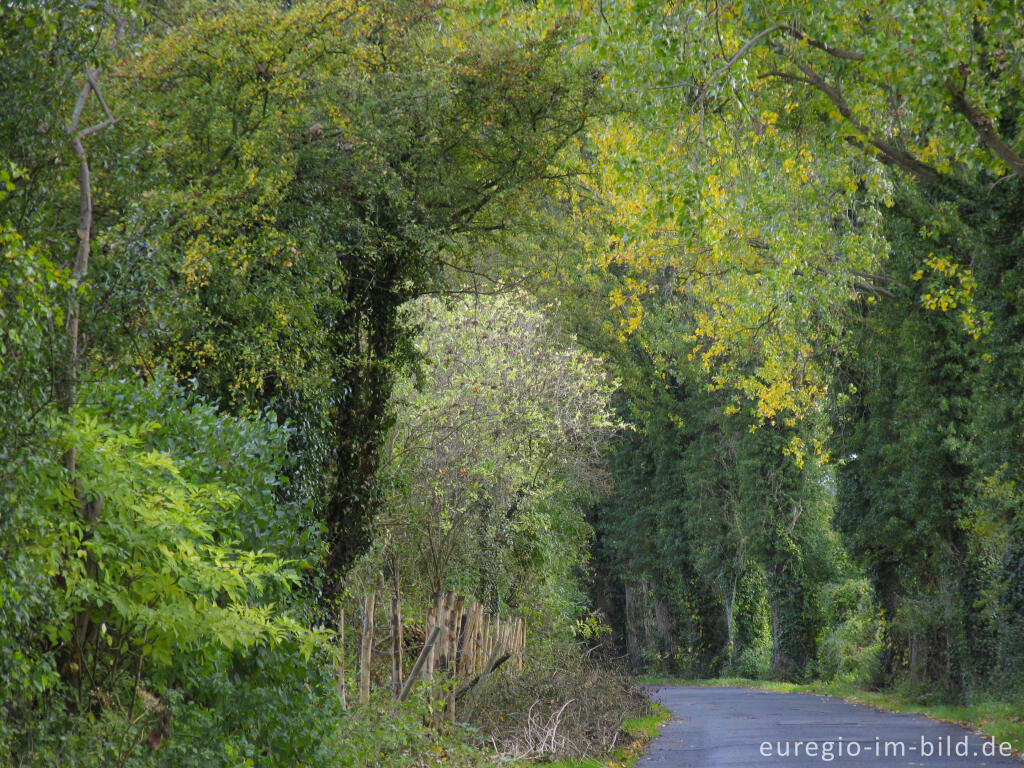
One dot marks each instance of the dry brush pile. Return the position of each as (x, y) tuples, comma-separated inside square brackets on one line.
[(566, 707)]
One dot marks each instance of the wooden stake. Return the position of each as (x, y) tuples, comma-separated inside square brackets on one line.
[(455, 605), (440, 617), (481, 639), (478, 640), (522, 645), (478, 615), (428, 663), (366, 647), (437, 652), (460, 635), (451, 637), (448, 643), (396, 645), (339, 669), (466, 660)]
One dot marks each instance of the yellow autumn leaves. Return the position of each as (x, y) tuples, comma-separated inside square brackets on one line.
[(952, 286)]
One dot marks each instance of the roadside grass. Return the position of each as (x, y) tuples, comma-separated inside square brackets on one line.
[(1002, 720), (637, 731)]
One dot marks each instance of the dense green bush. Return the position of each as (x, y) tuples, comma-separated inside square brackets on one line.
[(849, 647), (154, 584), (389, 735), (754, 662)]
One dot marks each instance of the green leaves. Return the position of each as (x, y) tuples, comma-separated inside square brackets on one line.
[(145, 560), (496, 443), (152, 562)]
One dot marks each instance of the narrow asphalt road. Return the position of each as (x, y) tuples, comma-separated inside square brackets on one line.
[(744, 728)]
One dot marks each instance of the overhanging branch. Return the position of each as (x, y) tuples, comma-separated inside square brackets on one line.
[(895, 156), (985, 127)]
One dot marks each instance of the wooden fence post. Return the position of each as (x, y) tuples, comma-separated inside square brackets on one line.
[(478, 620), (441, 621), (366, 647), (522, 645), (447, 631), (339, 669), (460, 632), (441, 616), (396, 645), (461, 639), (428, 662), (455, 604), (468, 629)]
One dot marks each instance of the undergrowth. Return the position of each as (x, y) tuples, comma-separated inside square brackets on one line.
[(564, 707), (636, 733)]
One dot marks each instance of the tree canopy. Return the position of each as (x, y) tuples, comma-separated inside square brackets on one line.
[(689, 332)]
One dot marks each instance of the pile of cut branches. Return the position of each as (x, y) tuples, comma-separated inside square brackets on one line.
[(568, 707)]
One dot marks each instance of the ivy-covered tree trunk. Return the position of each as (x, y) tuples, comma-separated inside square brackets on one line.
[(368, 337), (633, 620), (1011, 604), (792, 620), (664, 621), (359, 429)]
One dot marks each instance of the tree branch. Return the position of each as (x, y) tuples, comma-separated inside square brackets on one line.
[(924, 173), (984, 126), (736, 57), (838, 53), (871, 288)]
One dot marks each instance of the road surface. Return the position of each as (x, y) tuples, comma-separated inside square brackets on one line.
[(744, 728)]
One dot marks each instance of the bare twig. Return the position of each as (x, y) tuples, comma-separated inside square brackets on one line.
[(839, 53)]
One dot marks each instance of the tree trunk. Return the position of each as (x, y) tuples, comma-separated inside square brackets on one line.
[(730, 626), (632, 636), (67, 385), (664, 621)]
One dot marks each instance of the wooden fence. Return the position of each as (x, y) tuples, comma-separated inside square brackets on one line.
[(462, 645)]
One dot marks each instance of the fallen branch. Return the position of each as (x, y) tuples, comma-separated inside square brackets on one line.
[(414, 673), (492, 664)]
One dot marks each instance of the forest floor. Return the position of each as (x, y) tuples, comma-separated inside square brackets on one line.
[(714, 727), (995, 719)]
